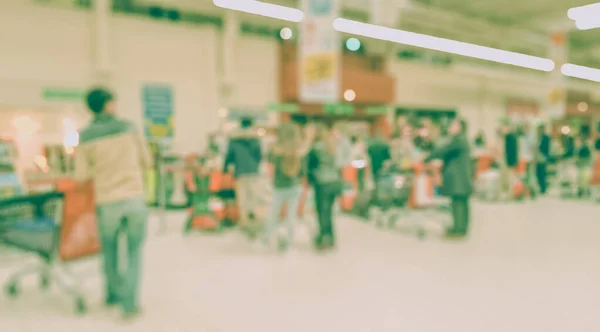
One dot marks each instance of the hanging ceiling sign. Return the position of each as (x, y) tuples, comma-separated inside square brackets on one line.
[(319, 52)]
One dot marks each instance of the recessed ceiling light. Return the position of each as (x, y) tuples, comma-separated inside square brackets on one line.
[(286, 33), (353, 44), (349, 95)]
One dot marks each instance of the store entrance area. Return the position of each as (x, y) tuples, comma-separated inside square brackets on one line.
[(520, 255)]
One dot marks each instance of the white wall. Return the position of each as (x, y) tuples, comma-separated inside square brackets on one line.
[(178, 55), (49, 47), (481, 100), (256, 71)]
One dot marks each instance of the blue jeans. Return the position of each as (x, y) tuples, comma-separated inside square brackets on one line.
[(128, 217), (290, 198)]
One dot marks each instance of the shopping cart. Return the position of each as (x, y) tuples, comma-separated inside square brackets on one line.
[(31, 224), (391, 206)]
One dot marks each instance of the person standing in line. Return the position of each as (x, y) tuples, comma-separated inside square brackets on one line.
[(324, 174), (117, 175), (542, 158), (584, 162), (243, 158), (457, 176), (511, 160), (402, 148), (527, 148), (479, 143), (344, 146), (359, 160), (379, 154), (287, 157)]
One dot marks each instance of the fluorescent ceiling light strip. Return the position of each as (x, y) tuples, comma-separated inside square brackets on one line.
[(262, 9), (588, 24), (584, 12), (586, 73), (442, 44)]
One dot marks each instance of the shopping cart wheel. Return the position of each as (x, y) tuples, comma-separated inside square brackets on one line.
[(80, 306), (12, 289)]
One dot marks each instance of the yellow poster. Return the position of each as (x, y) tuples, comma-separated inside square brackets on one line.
[(319, 67)]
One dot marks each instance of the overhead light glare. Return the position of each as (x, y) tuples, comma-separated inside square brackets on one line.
[(263, 9), (586, 17), (588, 24), (286, 33), (585, 73), (353, 44), (584, 12), (349, 95), (443, 45)]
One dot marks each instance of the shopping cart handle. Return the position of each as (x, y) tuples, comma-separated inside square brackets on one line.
[(37, 198)]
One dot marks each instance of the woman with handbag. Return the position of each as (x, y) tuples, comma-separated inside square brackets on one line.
[(287, 157), (325, 177)]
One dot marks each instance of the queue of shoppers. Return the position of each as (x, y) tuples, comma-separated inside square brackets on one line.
[(316, 152)]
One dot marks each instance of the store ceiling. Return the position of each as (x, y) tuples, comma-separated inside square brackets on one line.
[(541, 17), (521, 26)]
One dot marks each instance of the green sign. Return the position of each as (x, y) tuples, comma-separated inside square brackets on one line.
[(338, 109), (283, 108), (376, 110), (63, 94)]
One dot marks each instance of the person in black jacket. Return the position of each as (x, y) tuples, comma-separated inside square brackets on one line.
[(379, 153), (324, 175), (457, 176), (542, 159), (511, 148), (243, 158)]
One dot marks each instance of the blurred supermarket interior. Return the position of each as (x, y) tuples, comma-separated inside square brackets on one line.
[(466, 200)]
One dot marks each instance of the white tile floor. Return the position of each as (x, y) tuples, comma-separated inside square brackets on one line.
[(529, 267)]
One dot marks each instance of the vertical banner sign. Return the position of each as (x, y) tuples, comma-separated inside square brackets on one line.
[(557, 96), (157, 102), (319, 52)]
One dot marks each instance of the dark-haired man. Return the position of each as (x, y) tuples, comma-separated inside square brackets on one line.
[(243, 158), (457, 176), (112, 154)]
